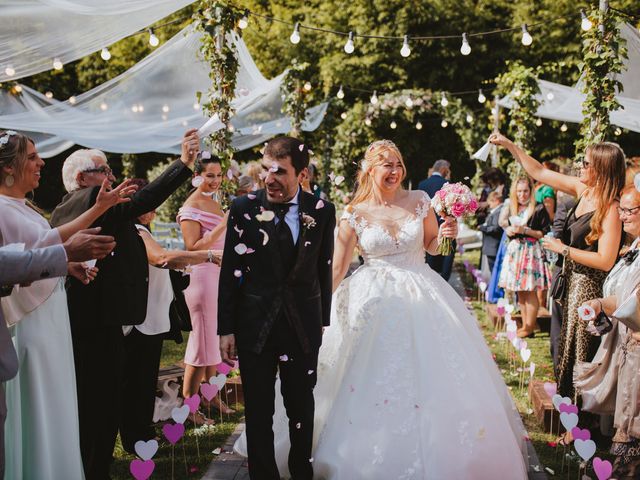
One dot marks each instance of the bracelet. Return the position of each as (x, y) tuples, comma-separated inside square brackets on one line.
[(209, 256)]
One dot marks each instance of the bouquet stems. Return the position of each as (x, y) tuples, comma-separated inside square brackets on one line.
[(445, 247)]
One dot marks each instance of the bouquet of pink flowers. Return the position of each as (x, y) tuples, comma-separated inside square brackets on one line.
[(453, 200)]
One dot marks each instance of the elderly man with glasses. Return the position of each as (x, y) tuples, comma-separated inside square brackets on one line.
[(117, 297)]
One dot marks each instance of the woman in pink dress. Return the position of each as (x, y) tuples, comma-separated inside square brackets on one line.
[(203, 225)]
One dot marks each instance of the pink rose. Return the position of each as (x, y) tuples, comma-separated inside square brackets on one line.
[(458, 209), (442, 194), (473, 205)]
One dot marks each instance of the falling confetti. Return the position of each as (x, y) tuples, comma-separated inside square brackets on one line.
[(339, 179), (251, 196), (239, 231), (298, 426), (217, 451), (237, 273), (319, 205), (306, 244), (310, 372), (301, 147), (206, 155), (283, 358), (265, 216), (265, 240), (230, 174), (197, 181), (247, 216), (240, 249)]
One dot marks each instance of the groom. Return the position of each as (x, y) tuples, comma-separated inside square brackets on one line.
[(274, 300)]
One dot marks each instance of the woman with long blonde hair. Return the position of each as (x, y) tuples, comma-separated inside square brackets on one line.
[(589, 244), (400, 337)]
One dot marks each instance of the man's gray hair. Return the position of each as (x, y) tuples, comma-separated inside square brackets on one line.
[(79, 161), (440, 165)]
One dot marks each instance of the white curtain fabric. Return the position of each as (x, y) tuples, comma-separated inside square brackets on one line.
[(563, 103), (35, 32), (148, 107)]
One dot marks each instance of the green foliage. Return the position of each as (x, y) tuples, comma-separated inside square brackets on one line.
[(296, 96), (604, 52)]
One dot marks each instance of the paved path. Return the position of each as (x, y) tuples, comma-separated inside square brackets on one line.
[(229, 466)]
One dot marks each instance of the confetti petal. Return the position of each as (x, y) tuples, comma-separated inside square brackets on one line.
[(310, 372), (249, 250), (197, 181), (265, 240), (319, 205), (239, 231), (237, 273), (251, 196), (230, 174), (206, 155), (339, 179), (240, 249), (284, 358), (266, 216), (217, 451), (247, 216), (306, 244), (301, 147)]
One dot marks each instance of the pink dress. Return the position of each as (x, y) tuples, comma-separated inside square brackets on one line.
[(203, 347)]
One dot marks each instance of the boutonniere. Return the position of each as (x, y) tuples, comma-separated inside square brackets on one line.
[(308, 222)]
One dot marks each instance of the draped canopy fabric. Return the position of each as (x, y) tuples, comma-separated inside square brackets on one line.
[(148, 107), (36, 32), (563, 103)]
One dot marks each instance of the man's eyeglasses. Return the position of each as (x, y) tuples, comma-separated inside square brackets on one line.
[(628, 211), (104, 170)]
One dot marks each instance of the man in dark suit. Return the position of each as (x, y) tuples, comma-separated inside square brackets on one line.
[(117, 297), (441, 172), (29, 266), (274, 301), (491, 230)]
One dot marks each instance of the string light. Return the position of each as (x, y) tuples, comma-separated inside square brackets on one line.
[(393, 125), (244, 21), (349, 47), (18, 88), (550, 96), (103, 106), (153, 40), (419, 125), (617, 132), (374, 98), (444, 101), (481, 97), (585, 23), (72, 100), (307, 87), (134, 108), (409, 102), (105, 54), (527, 39), (405, 51), (563, 127), (57, 64), (367, 122), (469, 118), (538, 122), (295, 36), (444, 124), (340, 93), (343, 115), (10, 71), (49, 94), (465, 49), (165, 108)]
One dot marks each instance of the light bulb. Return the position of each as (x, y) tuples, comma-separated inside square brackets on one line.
[(586, 23), (49, 94), (367, 122), (10, 71), (538, 122), (72, 100), (527, 39), (140, 108), (307, 87), (295, 36), (393, 125), (18, 88), (343, 116), (409, 102), (469, 118), (481, 97), (374, 98), (444, 101), (103, 106), (418, 126), (134, 108), (340, 93), (231, 128), (444, 124), (349, 47), (153, 40), (405, 51), (243, 22), (105, 54), (465, 49), (165, 108), (550, 96), (563, 127), (196, 106), (617, 132), (57, 64)]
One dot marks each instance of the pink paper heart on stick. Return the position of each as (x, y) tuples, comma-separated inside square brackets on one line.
[(208, 391), (580, 433), (224, 368), (550, 388), (603, 468), (173, 432), (141, 469), (193, 403), (568, 408)]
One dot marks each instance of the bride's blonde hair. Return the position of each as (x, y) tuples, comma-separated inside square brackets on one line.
[(376, 154)]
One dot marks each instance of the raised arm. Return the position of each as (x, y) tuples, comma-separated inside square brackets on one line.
[(559, 181), (343, 252), (174, 259), (191, 234)]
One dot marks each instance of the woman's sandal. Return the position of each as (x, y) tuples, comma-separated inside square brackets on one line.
[(565, 439), (199, 419), (217, 404)]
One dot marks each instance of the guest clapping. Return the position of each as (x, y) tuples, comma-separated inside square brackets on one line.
[(203, 226), (118, 296)]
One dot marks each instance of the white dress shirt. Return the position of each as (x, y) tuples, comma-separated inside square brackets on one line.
[(291, 217)]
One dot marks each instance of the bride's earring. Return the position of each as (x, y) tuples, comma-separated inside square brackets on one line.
[(9, 181)]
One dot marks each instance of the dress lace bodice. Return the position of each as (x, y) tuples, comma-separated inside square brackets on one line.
[(397, 242)]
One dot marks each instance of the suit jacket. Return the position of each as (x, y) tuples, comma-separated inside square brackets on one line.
[(248, 305), (23, 267), (431, 185), (492, 233), (118, 295)]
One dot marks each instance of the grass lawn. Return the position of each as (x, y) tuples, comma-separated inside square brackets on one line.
[(549, 455)]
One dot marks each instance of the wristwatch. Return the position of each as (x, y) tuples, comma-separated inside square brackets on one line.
[(565, 250)]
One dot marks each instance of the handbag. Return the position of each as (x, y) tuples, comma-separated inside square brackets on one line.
[(178, 310), (559, 285), (627, 312)]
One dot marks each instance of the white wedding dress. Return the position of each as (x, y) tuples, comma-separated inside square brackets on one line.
[(407, 387)]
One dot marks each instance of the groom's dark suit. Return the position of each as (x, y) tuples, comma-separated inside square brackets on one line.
[(277, 315)]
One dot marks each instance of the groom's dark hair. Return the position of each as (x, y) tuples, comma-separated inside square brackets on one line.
[(283, 147)]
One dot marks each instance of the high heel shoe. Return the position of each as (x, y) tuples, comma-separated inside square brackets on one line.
[(217, 403), (524, 333)]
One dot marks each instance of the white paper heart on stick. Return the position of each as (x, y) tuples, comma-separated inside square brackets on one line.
[(512, 327), (585, 448), (525, 354), (568, 420), (483, 153), (219, 380), (559, 399), (146, 450), (509, 308), (180, 414)]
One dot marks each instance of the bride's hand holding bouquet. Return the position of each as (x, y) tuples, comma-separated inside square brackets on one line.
[(451, 202)]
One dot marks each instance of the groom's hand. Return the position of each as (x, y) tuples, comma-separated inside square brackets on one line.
[(228, 348)]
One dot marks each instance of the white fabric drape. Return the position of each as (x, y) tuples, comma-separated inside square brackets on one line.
[(35, 32), (563, 103), (148, 107)]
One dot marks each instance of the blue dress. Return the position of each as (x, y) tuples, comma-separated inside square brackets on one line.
[(495, 292)]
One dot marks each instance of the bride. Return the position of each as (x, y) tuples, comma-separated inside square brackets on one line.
[(407, 388)]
